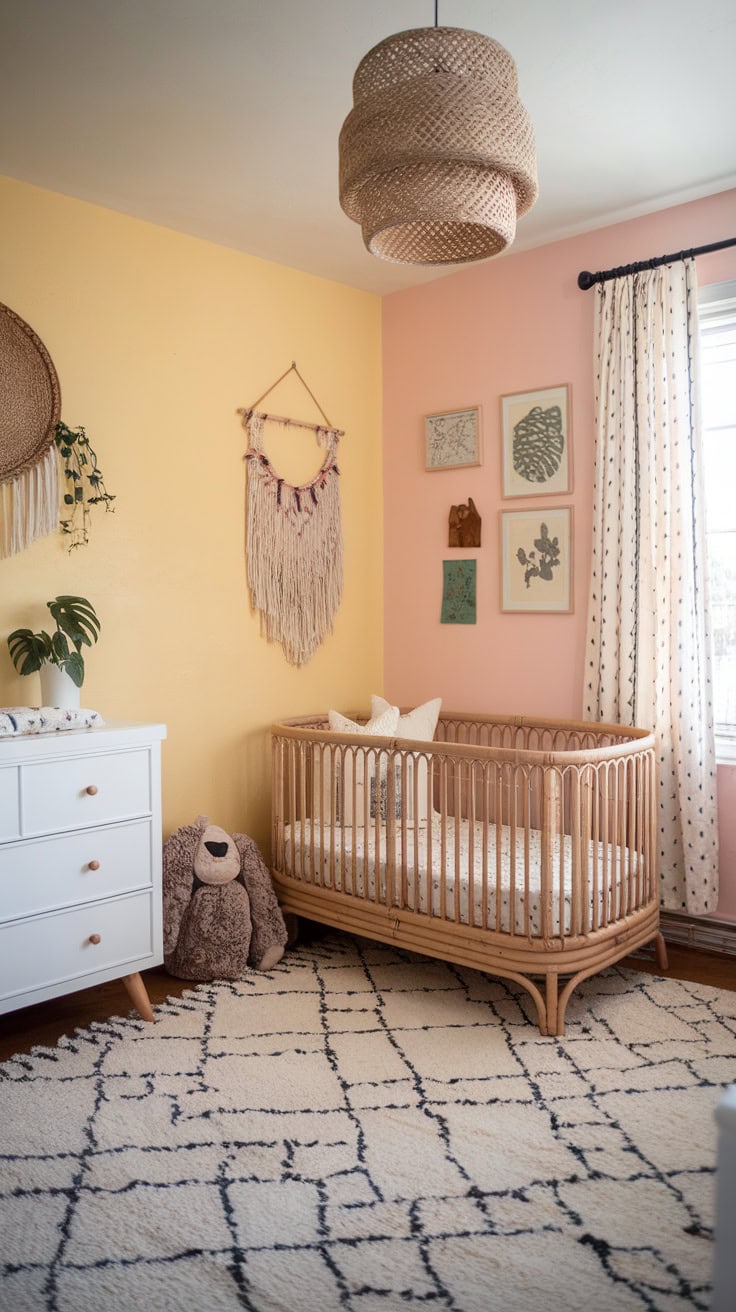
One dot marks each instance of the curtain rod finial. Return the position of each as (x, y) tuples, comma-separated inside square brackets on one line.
[(585, 280)]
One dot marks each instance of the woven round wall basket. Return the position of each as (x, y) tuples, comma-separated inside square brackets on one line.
[(30, 405), (437, 156)]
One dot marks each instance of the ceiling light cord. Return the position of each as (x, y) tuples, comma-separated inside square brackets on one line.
[(436, 9)]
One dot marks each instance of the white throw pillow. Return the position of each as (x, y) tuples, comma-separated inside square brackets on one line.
[(419, 726), (383, 724), (340, 767)]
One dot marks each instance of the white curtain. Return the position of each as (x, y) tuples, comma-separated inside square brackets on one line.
[(648, 657)]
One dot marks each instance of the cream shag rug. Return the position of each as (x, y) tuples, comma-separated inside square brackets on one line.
[(364, 1130)]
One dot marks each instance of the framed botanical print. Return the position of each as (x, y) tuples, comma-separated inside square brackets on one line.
[(536, 559), (452, 439), (536, 446)]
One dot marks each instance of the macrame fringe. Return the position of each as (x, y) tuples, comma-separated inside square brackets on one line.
[(295, 552), (29, 506)]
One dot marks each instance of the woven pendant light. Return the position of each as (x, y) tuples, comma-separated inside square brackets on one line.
[(437, 156)]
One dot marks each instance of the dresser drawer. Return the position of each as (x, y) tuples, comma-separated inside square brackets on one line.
[(56, 949), (84, 790), (9, 803), (71, 868)]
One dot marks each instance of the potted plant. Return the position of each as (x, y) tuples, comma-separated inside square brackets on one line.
[(58, 655)]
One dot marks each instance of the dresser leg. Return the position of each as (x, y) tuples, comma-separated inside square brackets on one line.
[(138, 995)]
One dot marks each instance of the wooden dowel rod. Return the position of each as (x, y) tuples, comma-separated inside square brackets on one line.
[(292, 423)]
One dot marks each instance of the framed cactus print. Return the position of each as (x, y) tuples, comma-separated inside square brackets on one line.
[(536, 559)]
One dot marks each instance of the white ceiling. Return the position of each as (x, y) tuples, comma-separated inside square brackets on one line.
[(220, 118)]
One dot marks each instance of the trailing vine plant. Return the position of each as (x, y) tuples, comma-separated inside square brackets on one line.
[(84, 487)]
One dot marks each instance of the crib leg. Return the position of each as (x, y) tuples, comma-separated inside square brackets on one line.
[(660, 952), (292, 928), (552, 988)]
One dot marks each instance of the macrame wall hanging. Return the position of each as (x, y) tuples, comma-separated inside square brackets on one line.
[(30, 402), (293, 537)]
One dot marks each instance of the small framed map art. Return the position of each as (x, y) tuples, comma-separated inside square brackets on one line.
[(535, 442), (452, 439)]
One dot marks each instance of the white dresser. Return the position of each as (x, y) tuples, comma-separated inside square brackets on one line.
[(80, 862)]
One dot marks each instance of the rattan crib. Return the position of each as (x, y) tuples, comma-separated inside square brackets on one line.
[(525, 848)]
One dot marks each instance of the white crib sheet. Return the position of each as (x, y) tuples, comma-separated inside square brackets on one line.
[(352, 868)]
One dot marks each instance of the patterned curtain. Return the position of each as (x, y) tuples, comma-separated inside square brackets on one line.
[(648, 640)]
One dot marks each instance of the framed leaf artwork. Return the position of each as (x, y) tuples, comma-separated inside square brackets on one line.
[(536, 448), (536, 559)]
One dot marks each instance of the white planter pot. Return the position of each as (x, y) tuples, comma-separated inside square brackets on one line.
[(57, 688)]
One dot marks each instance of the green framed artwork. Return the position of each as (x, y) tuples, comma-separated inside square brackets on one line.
[(458, 592)]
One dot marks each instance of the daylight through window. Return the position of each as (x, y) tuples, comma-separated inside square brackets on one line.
[(718, 375)]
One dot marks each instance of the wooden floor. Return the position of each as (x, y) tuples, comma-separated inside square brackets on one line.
[(45, 1023)]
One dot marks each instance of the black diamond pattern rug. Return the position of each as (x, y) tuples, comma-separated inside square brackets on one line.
[(362, 1129)]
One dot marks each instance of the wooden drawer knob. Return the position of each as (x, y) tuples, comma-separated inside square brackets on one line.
[(91, 789), (94, 865), (95, 938)]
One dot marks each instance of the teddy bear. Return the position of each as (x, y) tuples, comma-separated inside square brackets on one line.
[(220, 910)]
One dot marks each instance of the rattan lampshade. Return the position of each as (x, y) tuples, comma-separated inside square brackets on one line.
[(437, 155)]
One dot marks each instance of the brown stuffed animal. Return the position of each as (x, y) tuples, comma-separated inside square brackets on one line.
[(220, 910)]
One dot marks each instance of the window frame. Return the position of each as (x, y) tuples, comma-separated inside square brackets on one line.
[(714, 300)]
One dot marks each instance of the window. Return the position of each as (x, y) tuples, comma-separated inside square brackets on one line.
[(717, 309)]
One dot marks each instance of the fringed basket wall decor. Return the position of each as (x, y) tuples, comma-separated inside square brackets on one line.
[(30, 404), (437, 156)]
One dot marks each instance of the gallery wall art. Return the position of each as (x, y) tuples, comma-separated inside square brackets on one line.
[(458, 592), (536, 559), (536, 448), (452, 439)]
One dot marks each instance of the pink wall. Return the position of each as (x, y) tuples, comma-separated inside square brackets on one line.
[(510, 325)]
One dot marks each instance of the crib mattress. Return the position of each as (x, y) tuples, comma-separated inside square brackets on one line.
[(350, 860)]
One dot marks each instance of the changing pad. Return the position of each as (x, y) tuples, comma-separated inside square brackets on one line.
[(16, 720)]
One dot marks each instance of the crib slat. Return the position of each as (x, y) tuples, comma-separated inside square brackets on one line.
[(576, 821), (471, 843), (498, 873), (292, 801), (550, 797), (596, 847), (587, 834), (641, 839), (526, 825), (302, 807), (457, 791), (443, 837), (403, 803), (559, 837)]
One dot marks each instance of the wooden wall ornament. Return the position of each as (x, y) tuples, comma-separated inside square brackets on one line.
[(464, 525)]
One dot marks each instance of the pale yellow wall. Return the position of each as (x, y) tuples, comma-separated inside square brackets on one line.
[(157, 339)]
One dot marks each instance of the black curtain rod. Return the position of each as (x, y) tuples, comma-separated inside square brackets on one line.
[(587, 280)]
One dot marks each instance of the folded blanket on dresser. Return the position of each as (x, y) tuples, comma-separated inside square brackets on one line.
[(45, 719)]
